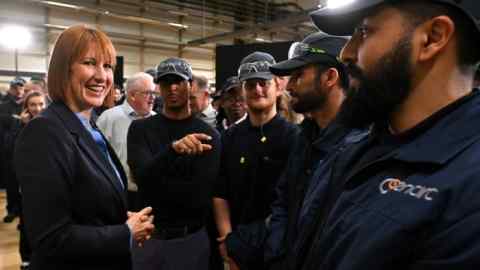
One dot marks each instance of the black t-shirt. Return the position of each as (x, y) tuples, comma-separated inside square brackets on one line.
[(252, 160), (178, 187)]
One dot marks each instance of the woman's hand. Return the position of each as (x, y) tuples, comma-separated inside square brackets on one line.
[(141, 225)]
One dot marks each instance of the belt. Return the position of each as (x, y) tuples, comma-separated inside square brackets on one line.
[(167, 233)]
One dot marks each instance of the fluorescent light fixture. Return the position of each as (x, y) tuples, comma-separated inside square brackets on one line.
[(178, 25), (260, 39), (58, 4), (15, 37), (178, 13), (338, 3)]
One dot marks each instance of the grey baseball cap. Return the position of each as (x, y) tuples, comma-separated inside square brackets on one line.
[(18, 81), (175, 66), (343, 20), (256, 66)]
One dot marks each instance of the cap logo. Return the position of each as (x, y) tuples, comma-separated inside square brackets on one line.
[(254, 67)]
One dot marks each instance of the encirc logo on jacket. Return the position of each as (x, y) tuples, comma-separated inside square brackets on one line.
[(417, 191)]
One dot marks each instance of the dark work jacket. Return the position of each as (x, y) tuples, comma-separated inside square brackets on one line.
[(73, 203), (252, 161), (416, 207), (314, 152), (10, 106)]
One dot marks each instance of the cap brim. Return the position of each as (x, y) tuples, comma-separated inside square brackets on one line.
[(285, 68), (258, 75), (343, 20), (171, 73)]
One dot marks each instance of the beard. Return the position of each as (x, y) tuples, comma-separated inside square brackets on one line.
[(309, 101), (380, 92)]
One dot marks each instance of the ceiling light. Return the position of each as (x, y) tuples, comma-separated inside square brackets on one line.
[(338, 3), (58, 4), (15, 37), (178, 25)]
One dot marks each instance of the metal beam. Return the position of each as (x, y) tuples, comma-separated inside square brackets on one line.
[(259, 28)]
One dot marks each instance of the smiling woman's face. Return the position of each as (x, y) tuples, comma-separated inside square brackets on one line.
[(90, 81)]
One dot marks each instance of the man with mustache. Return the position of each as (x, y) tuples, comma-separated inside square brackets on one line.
[(317, 84), (406, 198), (174, 158)]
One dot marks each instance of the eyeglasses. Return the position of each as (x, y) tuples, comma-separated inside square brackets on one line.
[(252, 84), (234, 98), (149, 93), (254, 67)]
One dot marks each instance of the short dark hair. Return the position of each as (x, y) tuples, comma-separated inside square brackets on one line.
[(419, 11), (202, 82)]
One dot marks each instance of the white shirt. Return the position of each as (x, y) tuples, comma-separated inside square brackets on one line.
[(225, 121), (209, 116), (114, 124)]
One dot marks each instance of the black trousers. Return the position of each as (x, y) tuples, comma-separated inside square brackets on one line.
[(24, 246), (13, 193)]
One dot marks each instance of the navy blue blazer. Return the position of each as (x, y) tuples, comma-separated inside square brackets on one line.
[(74, 206)]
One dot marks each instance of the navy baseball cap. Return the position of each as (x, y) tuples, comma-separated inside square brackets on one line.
[(256, 66), (230, 84), (316, 48), (343, 20), (175, 66), (18, 82)]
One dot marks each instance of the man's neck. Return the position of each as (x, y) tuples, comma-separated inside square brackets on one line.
[(181, 114), (259, 118), (429, 95), (136, 110), (329, 111)]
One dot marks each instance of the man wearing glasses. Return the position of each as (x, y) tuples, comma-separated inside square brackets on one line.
[(174, 158), (232, 102), (254, 153), (114, 123)]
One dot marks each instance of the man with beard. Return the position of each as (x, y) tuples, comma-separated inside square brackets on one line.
[(317, 84), (254, 153), (406, 198), (174, 158)]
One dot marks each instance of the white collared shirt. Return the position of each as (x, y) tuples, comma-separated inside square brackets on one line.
[(114, 124), (209, 116)]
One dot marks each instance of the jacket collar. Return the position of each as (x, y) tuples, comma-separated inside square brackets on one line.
[(87, 144), (449, 135)]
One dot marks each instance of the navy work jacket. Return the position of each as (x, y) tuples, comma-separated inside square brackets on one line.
[(417, 207), (310, 154)]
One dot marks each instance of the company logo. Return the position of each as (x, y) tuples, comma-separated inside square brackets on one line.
[(396, 185)]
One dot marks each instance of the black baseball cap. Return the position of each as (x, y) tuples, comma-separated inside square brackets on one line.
[(256, 66), (18, 82), (316, 48), (230, 84), (152, 72), (343, 20), (175, 66)]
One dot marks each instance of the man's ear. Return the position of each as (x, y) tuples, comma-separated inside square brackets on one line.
[(435, 35), (330, 77)]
